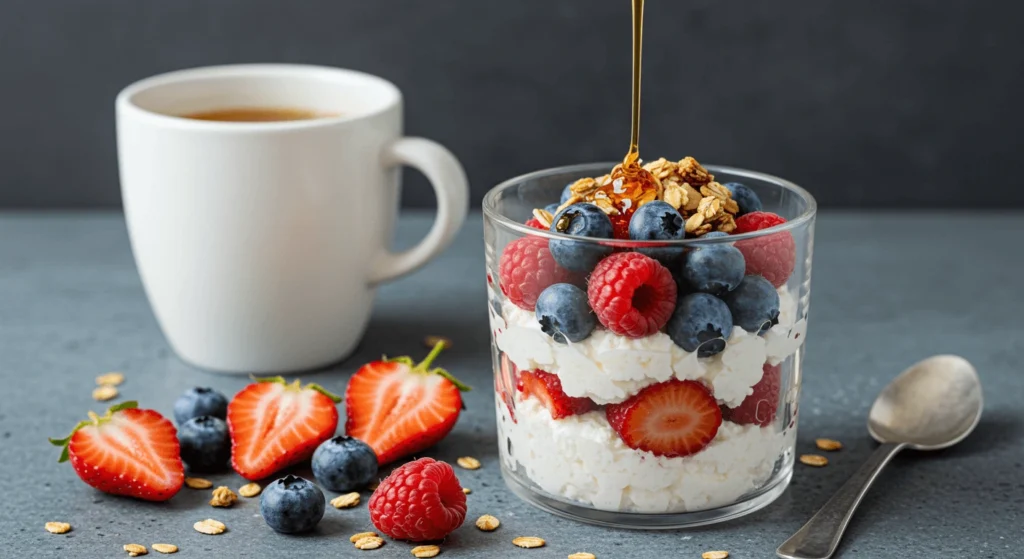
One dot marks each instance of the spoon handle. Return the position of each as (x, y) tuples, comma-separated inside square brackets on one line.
[(819, 538)]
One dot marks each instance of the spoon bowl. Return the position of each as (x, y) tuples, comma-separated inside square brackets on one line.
[(933, 404)]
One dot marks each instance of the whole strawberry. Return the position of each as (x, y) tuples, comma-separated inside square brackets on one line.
[(275, 424), (400, 408), (420, 501), (772, 256), (127, 451)]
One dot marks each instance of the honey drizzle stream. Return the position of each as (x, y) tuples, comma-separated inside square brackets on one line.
[(630, 162)]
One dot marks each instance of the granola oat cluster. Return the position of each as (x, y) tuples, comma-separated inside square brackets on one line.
[(687, 186)]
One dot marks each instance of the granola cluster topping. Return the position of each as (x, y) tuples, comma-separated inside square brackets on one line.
[(687, 186)]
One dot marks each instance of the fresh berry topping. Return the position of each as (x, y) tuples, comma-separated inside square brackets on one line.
[(548, 389), (564, 314), (128, 451), (506, 383), (566, 194), (205, 443), (713, 268), (701, 323), (761, 406), (344, 464), (274, 424), (754, 304), (772, 256), (745, 197), (673, 418), (200, 401), (582, 220), (633, 295), (657, 221), (292, 504), (420, 501), (400, 408), (535, 223), (551, 208), (526, 268)]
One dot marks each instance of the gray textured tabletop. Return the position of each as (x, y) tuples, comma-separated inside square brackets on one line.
[(888, 289)]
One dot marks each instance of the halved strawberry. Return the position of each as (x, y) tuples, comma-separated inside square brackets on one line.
[(672, 418), (505, 384), (275, 424), (548, 389), (127, 451), (399, 408), (763, 403)]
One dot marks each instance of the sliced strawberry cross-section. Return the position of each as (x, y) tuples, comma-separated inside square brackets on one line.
[(547, 388), (400, 408), (672, 418), (275, 424), (761, 406), (128, 451)]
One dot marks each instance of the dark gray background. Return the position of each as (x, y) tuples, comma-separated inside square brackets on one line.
[(874, 103)]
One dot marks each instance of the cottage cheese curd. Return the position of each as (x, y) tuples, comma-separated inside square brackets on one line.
[(608, 368), (582, 459)]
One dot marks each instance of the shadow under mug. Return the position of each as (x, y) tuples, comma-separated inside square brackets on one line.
[(260, 244)]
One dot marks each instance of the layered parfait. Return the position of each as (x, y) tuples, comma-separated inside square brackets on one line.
[(638, 373)]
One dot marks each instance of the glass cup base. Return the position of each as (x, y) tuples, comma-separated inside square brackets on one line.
[(645, 521)]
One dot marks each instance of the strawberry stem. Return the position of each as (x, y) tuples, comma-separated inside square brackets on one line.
[(94, 419), (296, 385), (425, 364)]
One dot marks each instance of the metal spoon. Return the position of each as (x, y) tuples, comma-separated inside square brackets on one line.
[(933, 404)]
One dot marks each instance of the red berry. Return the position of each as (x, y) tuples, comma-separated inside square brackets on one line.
[(535, 223), (420, 501), (632, 294), (526, 268), (772, 256), (672, 418), (761, 406), (548, 389)]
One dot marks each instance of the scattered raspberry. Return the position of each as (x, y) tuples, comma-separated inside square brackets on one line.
[(761, 406), (633, 295), (547, 388), (526, 268), (535, 223), (420, 501), (772, 256)]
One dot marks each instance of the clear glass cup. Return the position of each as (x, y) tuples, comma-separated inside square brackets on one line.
[(578, 465)]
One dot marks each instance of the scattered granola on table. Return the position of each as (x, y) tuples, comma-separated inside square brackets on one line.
[(223, 497)]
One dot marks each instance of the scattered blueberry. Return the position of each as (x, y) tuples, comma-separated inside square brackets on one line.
[(564, 313), (584, 220), (700, 323), (657, 221), (292, 504), (344, 464), (552, 208), (754, 304), (566, 194), (745, 198), (205, 444), (714, 268), (200, 401)]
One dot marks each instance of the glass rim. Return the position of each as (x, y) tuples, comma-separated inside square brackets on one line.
[(490, 210)]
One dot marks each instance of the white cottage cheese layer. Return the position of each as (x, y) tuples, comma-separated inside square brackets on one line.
[(582, 459), (608, 368)]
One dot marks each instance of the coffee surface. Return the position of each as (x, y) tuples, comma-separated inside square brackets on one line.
[(257, 114)]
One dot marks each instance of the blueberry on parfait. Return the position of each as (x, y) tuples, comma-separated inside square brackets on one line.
[(583, 220), (564, 313), (715, 269), (746, 199), (754, 304), (657, 221), (701, 323)]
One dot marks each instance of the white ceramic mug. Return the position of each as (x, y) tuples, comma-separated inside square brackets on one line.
[(260, 243)]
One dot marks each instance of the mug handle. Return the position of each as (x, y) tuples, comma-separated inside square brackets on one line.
[(445, 174)]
